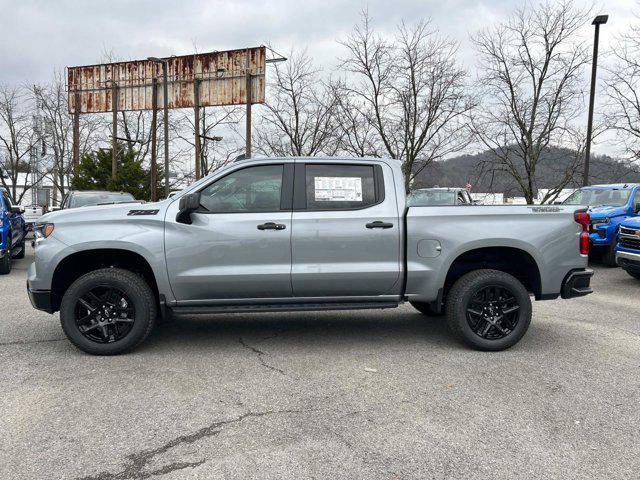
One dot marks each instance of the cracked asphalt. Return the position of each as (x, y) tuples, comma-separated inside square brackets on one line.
[(332, 395)]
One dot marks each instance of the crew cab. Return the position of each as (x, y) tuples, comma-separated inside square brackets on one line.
[(12, 232), (287, 234), (608, 206), (628, 248)]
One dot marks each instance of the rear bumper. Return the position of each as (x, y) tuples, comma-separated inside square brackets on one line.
[(40, 299), (628, 259), (577, 284)]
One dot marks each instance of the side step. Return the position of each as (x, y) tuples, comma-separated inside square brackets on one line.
[(278, 307)]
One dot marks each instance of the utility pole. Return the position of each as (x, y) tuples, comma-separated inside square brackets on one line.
[(165, 95), (599, 20)]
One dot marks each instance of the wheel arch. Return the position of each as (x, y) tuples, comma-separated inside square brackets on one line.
[(509, 259), (73, 266)]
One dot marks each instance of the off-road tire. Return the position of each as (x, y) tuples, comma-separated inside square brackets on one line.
[(427, 309), (137, 290), (462, 292), (609, 257), (5, 262), (634, 273)]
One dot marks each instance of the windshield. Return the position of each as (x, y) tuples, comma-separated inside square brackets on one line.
[(599, 197), (431, 197), (85, 199)]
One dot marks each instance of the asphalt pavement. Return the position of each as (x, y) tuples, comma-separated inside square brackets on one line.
[(363, 394)]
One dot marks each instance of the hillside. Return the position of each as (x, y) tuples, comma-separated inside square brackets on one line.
[(459, 171)]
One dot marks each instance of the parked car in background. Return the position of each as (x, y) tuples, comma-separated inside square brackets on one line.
[(283, 234), (31, 215), (12, 232), (608, 206), (425, 197), (78, 198), (628, 249)]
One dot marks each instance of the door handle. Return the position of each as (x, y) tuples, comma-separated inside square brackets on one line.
[(379, 224), (272, 226)]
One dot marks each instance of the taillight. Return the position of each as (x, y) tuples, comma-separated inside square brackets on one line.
[(583, 219)]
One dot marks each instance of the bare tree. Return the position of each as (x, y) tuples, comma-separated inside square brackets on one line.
[(214, 121), (299, 117), (16, 140), (406, 97), (531, 86), (622, 86), (58, 131)]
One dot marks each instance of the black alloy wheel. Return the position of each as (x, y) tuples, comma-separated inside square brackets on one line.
[(488, 309), (108, 311), (493, 312), (104, 314)]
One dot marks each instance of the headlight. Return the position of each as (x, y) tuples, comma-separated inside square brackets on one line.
[(43, 230)]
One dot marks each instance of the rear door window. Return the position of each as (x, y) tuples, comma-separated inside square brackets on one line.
[(340, 187)]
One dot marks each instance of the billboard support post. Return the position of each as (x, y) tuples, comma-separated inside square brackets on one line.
[(154, 138), (114, 130), (76, 131), (248, 95), (196, 123)]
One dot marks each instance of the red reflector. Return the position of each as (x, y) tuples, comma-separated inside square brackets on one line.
[(584, 243)]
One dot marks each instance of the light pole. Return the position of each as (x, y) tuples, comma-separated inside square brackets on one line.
[(165, 102), (599, 20)]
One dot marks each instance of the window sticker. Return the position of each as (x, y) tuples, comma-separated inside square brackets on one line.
[(338, 189)]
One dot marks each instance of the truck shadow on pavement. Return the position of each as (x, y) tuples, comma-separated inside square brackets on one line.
[(306, 328)]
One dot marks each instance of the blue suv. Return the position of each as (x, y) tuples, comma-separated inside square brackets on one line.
[(12, 232), (608, 206), (628, 249)]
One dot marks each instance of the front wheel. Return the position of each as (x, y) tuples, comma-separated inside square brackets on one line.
[(609, 257), (108, 311), (635, 273), (5, 264), (488, 309)]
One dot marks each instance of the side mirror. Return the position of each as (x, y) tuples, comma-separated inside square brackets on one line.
[(637, 208), (188, 204)]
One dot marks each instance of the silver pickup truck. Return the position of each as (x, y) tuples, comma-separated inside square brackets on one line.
[(303, 234)]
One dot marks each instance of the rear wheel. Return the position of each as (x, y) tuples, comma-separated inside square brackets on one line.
[(488, 309), (427, 309), (108, 311)]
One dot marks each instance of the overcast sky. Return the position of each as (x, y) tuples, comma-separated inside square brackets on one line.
[(39, 37)]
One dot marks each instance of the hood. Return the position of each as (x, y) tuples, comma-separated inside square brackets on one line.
[(606, 211), (633, 222), (101, 212)]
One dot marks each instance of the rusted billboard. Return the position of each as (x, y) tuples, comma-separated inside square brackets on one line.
[(221, 76)]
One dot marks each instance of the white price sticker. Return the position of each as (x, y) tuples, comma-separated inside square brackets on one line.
[(338, 189)]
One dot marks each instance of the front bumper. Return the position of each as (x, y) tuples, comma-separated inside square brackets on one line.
[(40, 299), (628, 260), (577, 284)]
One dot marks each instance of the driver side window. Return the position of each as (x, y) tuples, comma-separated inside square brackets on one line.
[(253, 189)]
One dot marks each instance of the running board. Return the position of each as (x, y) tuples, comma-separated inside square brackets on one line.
[(278, 307)]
